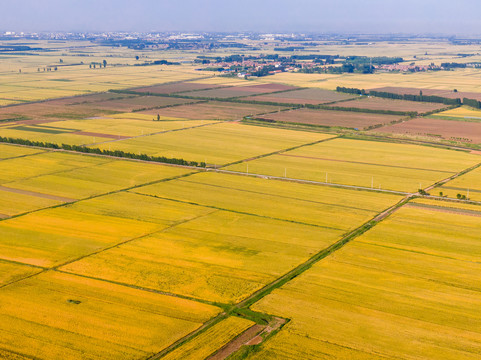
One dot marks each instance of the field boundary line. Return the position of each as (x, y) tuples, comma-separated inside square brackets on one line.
[(458, 174), (237, 212), (130, 240), (156, 133), (258, 295), (365, 163), (277, 152), (313, 182), (99, 195), (293, 273)]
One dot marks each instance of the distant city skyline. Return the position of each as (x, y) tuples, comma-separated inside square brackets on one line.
[(342, 16)]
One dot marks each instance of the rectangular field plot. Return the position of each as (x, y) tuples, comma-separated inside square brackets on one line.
[(463, 112), (436, 129), (364, 163), (408, 288), (98, 179), (123, 126), (216, 144), (221, 256), (210, 341), (468, 184), (44, 163), (11, 272), (300, 203), (12, 151), (239, 91), (13, 202), (213, 110), (53, 236), (304, 96), (176, 88), (331, 118), (136, 103), (49, 134), (55, 316), (374, 103)]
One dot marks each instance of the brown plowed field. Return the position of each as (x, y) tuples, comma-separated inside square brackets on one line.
[(374, 103), (443, 93), (304, 96), (175, 88), (238, 91), (463, 131), (136, 102), (213, 111), (331, 118)]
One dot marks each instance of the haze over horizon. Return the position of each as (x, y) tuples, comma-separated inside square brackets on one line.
[(344, 16)]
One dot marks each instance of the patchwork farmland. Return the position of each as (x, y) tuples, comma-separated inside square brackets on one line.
[(164, 211)]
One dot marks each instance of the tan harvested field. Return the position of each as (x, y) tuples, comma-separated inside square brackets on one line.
[(374, 103), (239, 91), (443, 93), (176, 88), (213, 111), (304, 96), (462, 131), (331, 118)]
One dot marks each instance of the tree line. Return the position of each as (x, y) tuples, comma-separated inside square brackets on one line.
[(116, 153)]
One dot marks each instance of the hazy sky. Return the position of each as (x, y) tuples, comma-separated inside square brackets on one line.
[(367, 16)]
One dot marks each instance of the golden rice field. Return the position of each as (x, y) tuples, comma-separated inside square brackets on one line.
[(462, 79), (93, 180), (300, 203), (53, 236), (103, 258), (468, 184), (211, 340), (218, 256), (46, 133), (78, 80), (11, 272), (92, 131), (43, 164), (72, 176), (463, 112), (446, 204), (13, 203), (216, 144), (407, 289), (11, 151), (364, 163), (92, 319)]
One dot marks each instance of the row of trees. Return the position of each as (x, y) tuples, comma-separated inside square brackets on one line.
[(473, 103), (116, 153), (410, 97)]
